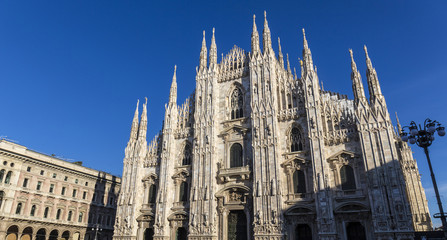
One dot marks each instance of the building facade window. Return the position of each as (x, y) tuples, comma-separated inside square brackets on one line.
[(296, 143), (39, 185), (237, 102), (8, 177), (19, 208), (45, 213), (187, 155), (25, 182), (69, 215), (63, 190), (33, 211), (74, 193), (58, 214), (347, 178), (28, 169), (51, 188), (236, 155), (2, 194), (42, 172), (299, 182), (2, 174), (84, 195), (81, 215)]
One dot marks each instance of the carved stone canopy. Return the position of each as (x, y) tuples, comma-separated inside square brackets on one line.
[(343, 157)]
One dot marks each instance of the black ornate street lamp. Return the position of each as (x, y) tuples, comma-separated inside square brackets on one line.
[(423, 137)]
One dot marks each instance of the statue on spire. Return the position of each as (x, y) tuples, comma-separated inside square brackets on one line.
[(266, 38), (173, 91)]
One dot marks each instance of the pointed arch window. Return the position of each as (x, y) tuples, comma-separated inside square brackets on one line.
[(299, 182), (152, 193), (296, 140), (183, 192), (236, 155), (347, 178), (187, 155), (237, 102)]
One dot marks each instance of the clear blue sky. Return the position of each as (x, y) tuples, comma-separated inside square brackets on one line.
[(71, 71)]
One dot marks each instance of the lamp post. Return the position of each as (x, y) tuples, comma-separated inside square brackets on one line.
[(423, 136), (96, 229)]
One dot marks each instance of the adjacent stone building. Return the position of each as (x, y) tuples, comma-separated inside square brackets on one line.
[(258, 152), (46, 198)]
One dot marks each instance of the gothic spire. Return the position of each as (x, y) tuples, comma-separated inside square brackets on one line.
[(173, 91), (288, 64), (357, 85), (203, 54), (307, 55), (266, 36), (399, 127), (280, 56), (142, 130), (213, 51), (373, 82), (255, 38), (134, 129)]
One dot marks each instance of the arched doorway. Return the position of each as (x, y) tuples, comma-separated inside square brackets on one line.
[(303, 232), (355, 231), (149, 234), (41, 234), (65, 235), (181, 234), (12, 232), (27, 233), (53, 235), (237, 225)]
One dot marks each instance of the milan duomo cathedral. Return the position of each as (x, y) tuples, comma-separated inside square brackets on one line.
[(258, 152)]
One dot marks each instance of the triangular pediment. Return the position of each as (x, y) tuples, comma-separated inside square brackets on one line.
[(341, 153), (234, 129)]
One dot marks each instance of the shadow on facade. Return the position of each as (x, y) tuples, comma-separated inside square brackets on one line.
[(362, 204), (101, 216)]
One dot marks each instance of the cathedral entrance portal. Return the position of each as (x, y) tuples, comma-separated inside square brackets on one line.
[(181, 234), (237, 225), (355, 231)]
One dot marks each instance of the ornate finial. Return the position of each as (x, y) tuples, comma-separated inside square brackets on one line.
[(138, 102), (350, 52), (203, 33), (288, 63), (213, 31), (175, 69), (304, 33), (366, 49), (146, 100), (265, 14)]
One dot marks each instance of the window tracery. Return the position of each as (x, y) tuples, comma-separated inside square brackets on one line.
[(296, 143), (187, 155)]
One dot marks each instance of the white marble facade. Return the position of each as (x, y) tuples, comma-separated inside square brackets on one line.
[(258, 152)]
